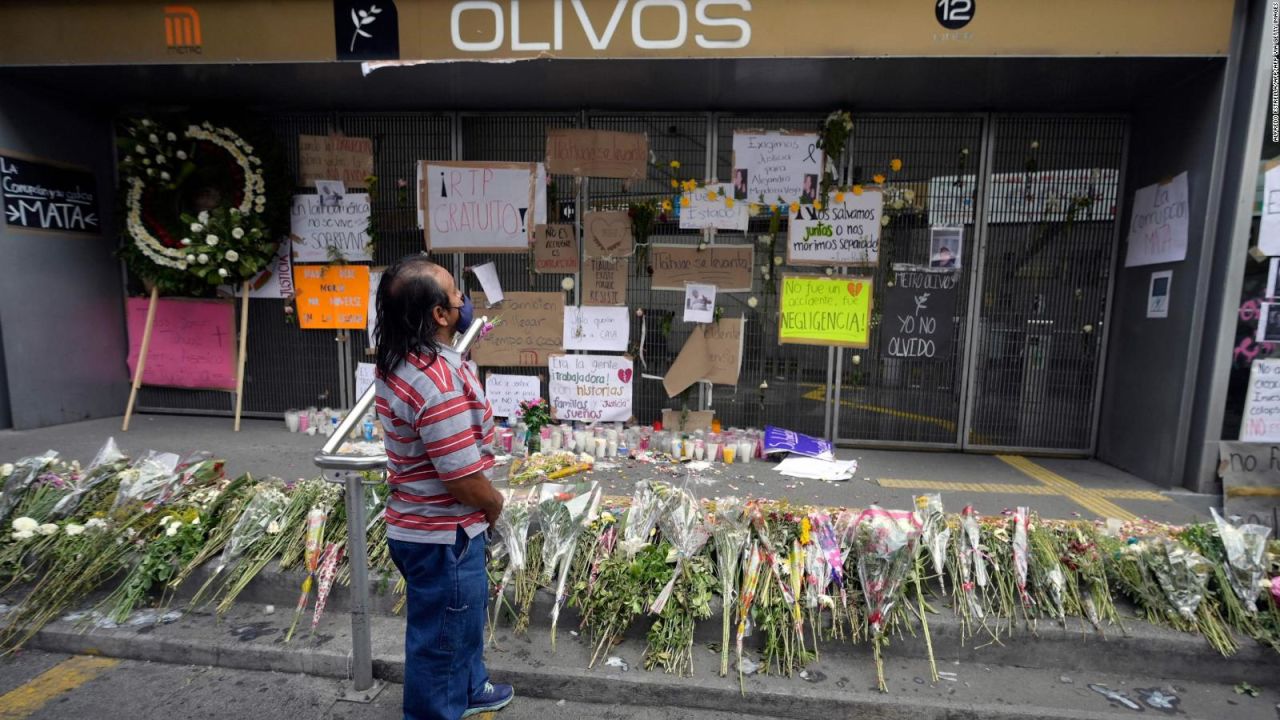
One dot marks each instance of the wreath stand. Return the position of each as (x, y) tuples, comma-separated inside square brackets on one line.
[(146, 347)]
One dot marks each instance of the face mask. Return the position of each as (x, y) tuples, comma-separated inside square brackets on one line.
[(466, 314)]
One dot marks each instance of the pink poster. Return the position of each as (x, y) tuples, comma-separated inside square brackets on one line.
[(193, 343)]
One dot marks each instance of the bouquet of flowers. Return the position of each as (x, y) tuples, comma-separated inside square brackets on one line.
[(106, 465), (671, 636), (546, 466), (730, 529), (886, 545), (642, 516), (1246, 548), (535, 414), (260, 518), (563, 510), (513, 537), (19, 476), (316, 519), (148, 478), (935, 535)]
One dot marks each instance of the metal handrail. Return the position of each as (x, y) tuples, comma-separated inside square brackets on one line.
[(346, 470)]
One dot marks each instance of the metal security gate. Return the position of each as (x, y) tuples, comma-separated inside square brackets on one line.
[(1029, 322)]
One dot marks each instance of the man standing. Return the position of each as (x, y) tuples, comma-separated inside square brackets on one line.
[(438, 428)]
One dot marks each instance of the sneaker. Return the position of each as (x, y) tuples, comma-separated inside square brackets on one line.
[(492, 697)]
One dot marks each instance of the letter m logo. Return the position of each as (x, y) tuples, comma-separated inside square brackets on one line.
[(182, 28)]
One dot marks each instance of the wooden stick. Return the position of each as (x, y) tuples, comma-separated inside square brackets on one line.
[(244, 341), (142, 357)]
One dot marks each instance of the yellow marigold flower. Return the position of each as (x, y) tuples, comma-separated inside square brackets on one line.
[(895, 164), (805, 528), (675, 164), (684, 201), (795, 206), (666, 205), (728, 201), (712, 195), (773, 207), (675, 183), (839, 197), (817, 204), (857, 189), (879, 179)]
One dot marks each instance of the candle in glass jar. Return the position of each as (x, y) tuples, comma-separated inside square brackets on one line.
[(745, 450), (730, 451)]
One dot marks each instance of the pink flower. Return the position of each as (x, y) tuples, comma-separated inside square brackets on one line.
[(402, 183), (1275, 588)]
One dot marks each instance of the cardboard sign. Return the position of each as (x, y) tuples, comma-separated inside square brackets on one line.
[(607, 235), (1158, 225), (506, 392), (332, 297), (604, 282), (555, 249), (919, 314), (1261, 422), (322, 227), (597, 328), (728, 267), (193, 342), (590, 387), (1269, 225), (531, 328), (724, 348), (1250, 475), (479, 207), (824, 310), (334, 157), (722, 213), (692, 421), (597, 153), (49, 196), (780, 166), (692, 364), (846, 233)]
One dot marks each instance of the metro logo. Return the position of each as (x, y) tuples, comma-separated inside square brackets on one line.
[(182, 29)]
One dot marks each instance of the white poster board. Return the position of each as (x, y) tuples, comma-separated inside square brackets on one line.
[(1269, 225), (778, 166), (487, 274), (702, 212), (479, 207), (845, 233), (1158, 224), (593, 327), (364, 377), (590, 387), (319, 223), (506, 392), (1261, 421)]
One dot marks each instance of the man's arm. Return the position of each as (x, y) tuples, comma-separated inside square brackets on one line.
[(476, 490)]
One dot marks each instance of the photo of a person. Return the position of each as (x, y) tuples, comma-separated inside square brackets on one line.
[(330, 192), (740, 187), (809, 189), (945, 247), (1271, 330), (697, 301), (945, 258)]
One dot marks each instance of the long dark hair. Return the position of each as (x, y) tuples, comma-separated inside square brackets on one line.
[(407, 297)]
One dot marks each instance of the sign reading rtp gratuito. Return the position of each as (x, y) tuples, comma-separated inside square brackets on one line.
[(829, 311)]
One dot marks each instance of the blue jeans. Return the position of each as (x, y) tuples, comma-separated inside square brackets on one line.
[(444, 638)]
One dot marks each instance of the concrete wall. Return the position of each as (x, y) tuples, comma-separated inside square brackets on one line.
[(61, 302), (1147, 395)]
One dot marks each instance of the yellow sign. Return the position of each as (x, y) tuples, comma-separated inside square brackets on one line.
[(821, 310), (332, 297)]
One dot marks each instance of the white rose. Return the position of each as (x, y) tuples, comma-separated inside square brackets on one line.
[(237, 233), (48, 529), (191, 258), (173, 529), (95, 523), (777, 259), (23, 535), (159, 159), (73, 529), (164, 176), (884, 220), (222, 272), (139, 149), (186, 241), (196, 227), (831, 271), (566, 284), (146, 122), (195, 521), (203, 216), (202, 258), (212, 240), (232, 256), (6, 470), (273, 528), (171, 137), (151, 172), (153, 138), (182, 155), (857, 359), (752, 301), (25, 524), (182, 266)]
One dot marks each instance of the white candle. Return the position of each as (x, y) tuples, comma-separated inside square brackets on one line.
[(745, 450), (601, 447), (612, 448)]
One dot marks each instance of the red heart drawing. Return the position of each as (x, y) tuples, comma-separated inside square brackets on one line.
[(625, 375), (855, 289)]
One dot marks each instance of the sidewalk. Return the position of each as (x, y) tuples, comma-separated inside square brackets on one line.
[(1055, 488)]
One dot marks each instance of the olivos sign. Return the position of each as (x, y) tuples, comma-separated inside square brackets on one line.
[(36, 32)]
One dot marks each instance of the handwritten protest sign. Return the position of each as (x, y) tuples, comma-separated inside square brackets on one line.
[(555, 249), (607, 235), (1250, 475), (823, 310), (728, 267), (919, 314), (531, 327), (702, 212), (590, 387), (604, 282), (332, 297), (323, 227), (365, 375), (1261, 422), (778, 166), (48, 196), (845, 233), (724, 348), (479, 207), (597, 328), (597, 153), (1158, 225), (193, 342), (335, 157), (506, 392), (1269, 226)]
